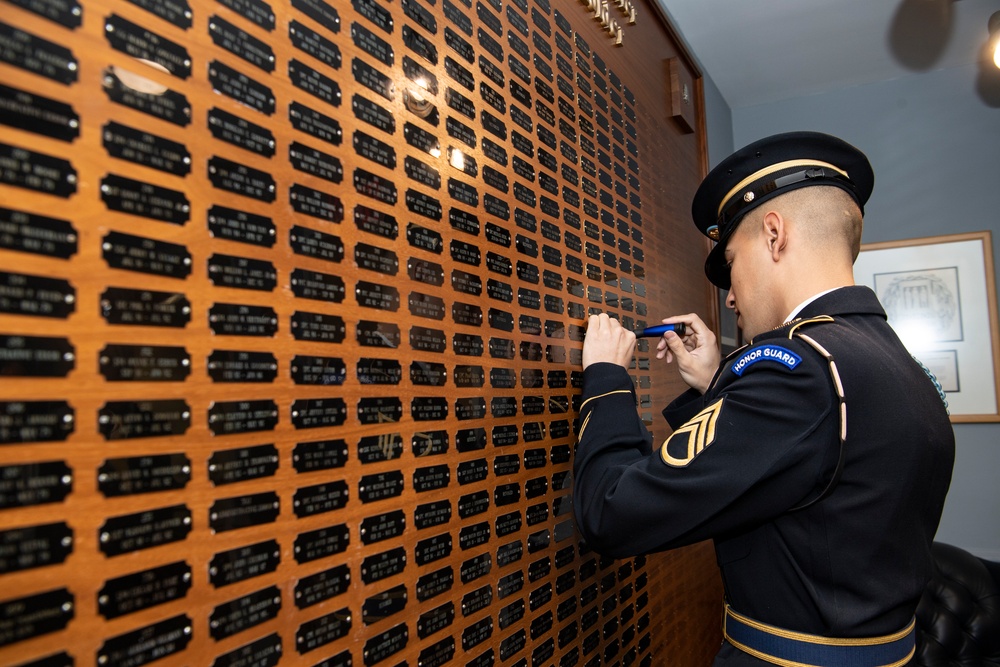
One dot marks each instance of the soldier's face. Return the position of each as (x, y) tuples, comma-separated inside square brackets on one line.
[(749, 294)]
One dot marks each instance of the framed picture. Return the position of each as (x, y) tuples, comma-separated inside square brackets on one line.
[(940, 295)]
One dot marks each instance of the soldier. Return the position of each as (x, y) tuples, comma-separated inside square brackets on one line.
[(817, 457)]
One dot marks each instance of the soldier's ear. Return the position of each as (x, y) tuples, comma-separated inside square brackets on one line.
[(775, 233)]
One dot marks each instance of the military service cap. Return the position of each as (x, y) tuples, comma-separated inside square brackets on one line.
[(765, 169)]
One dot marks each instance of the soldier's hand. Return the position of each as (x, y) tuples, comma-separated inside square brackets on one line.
[(697, 353), (607, 341)]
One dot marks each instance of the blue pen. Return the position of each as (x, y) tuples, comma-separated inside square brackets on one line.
[(660, 329)]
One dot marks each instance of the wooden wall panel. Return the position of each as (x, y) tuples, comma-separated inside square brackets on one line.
[(188, 476)]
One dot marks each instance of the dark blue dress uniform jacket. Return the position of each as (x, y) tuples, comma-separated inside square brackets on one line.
[(765, 440)]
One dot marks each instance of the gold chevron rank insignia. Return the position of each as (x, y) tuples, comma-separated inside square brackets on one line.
[(692, 438)]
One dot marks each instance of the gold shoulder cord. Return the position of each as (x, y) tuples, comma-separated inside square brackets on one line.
[(838, 387)]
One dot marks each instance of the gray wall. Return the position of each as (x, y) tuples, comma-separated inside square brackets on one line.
[(935, 148)]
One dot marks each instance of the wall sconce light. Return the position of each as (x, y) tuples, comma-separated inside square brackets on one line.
[(994, 29)]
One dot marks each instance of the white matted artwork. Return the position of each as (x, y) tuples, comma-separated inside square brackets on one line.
[(940, 297)]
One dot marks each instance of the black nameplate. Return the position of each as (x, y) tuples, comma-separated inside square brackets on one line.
[(382, 526), (138, 42), (422, 172), (375, 150), (240, 43), (315, 162), (264, 652), (474, 535), (237, 465), (435, 583), (242, 272), (473, 503), (133, 532), (241, 179), (377, 334), (374, 258), (374, 295), (38, 234), (67, 13), (319, 498), (505, 435), (460, 131), (38, 56), (142, 590), (534, 458), (371, 78), (372, 44), (428, 408), (529, 324), (503, 406), (232, 319), (386, 564), (428, 340), (34, 546), (466, 313), (138, 363), (432, 549), (319, 455), (458, 17), (423, 271), (422, 77), (512, 613), (373, 114), (317, 286), (380, 486), (312, 243), (323, 630), (421, 15), (37, 171), (430, 478), (316, 544), (242, 366), (384, 447), (240, 87), (436, 619), (35, 113), (240, 226), (374, 186), (147, 644), (375, 13), (494, 126), (421, 139), (315, 123), (256, 11), (321, 12), (381, 409), (468, 345), (143, 474), (146, 200), (225, 418), (510, 584), (38, 296), (429, 443), (510, 553), (477, 633), (165, 104), (468, 283), (426, 305), (470, 472), (318, 412), (137, 253), (534, 515), (508, 523), (491, 45), (420, 45), (464, 106), (34, 484), (314, 82), (322, 586), (316, 203), (383, 645), (424, 238), (308, 40), (507, 464), (230, 567), (502, 378), (469, 376), (243, 511), (432, 514), (384, 604), (477, 600)]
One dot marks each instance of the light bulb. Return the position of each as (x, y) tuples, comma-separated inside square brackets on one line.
[(996, 53), (993, 26)]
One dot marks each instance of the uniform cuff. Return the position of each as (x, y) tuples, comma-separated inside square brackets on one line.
[(603, 377)]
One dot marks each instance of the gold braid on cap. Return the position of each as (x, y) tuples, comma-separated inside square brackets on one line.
[(766, 171)]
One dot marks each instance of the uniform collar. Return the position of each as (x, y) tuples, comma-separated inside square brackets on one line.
[(852, 300)]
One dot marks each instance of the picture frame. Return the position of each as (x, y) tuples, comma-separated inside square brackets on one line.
[(939, 293)]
